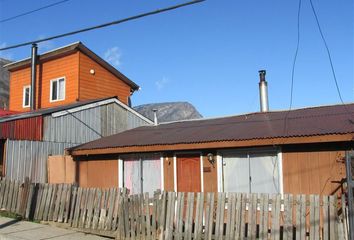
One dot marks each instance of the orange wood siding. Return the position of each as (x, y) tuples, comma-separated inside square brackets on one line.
[(313, 172), (67, 66), (98, 173), (101, 84), (210, 176), (168, 173)]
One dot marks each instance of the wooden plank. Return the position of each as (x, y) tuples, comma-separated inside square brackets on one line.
[(77, 208), (90, 206), (38, 200), (317, 217), (73, 200), (342, 224), (43, 201), (263, 217), (287, 215), (199, 217), (52, 202), (325, 210), (311, 204), (179, 216), (83, 207), (170, 215), (112, 199), (2, 191), (57, 203), (47, 202), (252, 217), (29, 201), (209, 213), (67, 204), (303, 217), (9, 196), (116, 209), (62, 203), (97, 208), (243, 216), (147, 216), (189, 216), (332, 217), (15, 199), (230, 212), (275, 233), (103, 210), (162, 215)]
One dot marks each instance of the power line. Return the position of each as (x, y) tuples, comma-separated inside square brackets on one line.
[(32, 11), (328, 52), (293, 67), (105, 24), (295, 56)]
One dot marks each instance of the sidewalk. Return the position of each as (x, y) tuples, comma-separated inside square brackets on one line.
[(16, 230)]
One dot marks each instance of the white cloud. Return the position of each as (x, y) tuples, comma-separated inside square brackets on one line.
[(160, 84), (113, 56), (4, 54)]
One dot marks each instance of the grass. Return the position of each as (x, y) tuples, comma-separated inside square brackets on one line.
[(10, 215)]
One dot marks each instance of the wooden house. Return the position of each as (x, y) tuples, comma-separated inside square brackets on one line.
[(79, 97), (66, 75), (297, 151)]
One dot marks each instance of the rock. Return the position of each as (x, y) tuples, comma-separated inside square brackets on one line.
[(169, 111)]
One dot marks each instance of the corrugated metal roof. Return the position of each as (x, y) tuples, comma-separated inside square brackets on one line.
[(46, 111), (326, 120), (62, 51), (6, 112)]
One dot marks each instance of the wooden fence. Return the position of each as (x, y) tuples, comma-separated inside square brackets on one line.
[(167, 215)]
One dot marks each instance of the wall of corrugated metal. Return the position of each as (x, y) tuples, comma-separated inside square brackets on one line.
[(22, 129), (89, 124), (29, 158)]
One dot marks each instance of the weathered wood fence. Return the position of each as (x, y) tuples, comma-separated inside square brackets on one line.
[(167, 215)]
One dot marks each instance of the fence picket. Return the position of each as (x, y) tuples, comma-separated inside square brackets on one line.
[(209, 210), (199, 217)]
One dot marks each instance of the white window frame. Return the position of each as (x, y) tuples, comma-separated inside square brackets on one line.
[(51, 89), (24, 96)]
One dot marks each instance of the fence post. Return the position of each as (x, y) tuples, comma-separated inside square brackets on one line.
[(348, 164)]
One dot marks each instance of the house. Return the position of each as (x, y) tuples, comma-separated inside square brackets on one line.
[(297, 151), (66, 75), (79, 97)]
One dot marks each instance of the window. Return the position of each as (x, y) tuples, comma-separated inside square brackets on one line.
[(57, 89), (26, 96)]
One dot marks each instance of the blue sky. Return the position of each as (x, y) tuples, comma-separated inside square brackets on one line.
[(207, 54)]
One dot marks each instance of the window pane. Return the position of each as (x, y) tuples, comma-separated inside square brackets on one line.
[(26, 97), (54, 90), (61, 89)]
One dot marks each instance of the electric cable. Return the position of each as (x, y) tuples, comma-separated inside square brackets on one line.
[(104, 24), (32, 11)]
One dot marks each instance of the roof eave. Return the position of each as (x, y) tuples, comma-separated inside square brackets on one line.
[(217, 144)]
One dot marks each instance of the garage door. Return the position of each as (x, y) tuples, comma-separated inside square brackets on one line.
[(142, 173), (251, 172)]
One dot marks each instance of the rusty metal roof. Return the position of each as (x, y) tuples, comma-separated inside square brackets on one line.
[(325, 120)]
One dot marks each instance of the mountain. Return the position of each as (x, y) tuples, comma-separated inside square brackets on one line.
[(4, 84), (169, 111)]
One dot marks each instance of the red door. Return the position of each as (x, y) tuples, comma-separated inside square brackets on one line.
[(188, 173)]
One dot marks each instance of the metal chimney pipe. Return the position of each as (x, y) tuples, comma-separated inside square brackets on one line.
[(33, 76), (263, 91), (155, 116)]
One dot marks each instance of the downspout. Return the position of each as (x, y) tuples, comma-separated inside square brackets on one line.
[(33, 76)]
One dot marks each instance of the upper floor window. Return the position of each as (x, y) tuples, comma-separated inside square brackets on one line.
[(26, 96), (57, 89)]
